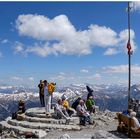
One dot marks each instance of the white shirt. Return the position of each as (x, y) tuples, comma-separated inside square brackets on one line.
[(46, 91)]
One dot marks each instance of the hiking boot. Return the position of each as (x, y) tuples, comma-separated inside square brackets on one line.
[(68, 120)]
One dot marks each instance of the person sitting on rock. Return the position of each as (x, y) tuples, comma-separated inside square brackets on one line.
[(136, 122), (21, 107), (65, 104), (60, 111), (82, 113), (90, 104)]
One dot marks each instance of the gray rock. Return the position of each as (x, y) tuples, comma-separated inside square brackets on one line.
[(65, 136), (101, 134), (12, 134)]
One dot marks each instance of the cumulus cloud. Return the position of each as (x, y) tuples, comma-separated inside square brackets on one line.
[(61, 37), (96, 76), (136, 5), (4, 41), (59, 77), (123, 37), (18, 47), (62, 77), (122, 69), (111, 51), (84, 71), (16, 78)]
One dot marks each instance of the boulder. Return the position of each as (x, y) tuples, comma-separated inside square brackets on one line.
[(12, 134), (20, 117), (101, 134), (65, 136)]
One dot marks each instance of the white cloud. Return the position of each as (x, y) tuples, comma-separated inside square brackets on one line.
[(4, 41), (102, 36), (16, 78), (59, 78), (111, 51), (61, 37), (136, 5), (31, 78), (41, 50), (122, 69), (84, 71), (97, 76), (62, 73), (123, 37), (18, 47), (62, 77)]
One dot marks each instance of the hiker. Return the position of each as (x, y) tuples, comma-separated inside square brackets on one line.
[(48, 91), (83, 114), (41, 93), (47, 98), (75, 103), (90, 92), (136, 122), (90, 104), (60, 111), (51, 90), (21, 107), (65, 104)]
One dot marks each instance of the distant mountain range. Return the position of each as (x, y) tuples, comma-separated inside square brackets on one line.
[(112, 97)]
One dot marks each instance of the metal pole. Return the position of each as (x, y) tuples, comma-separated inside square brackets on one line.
[(129, 67), (129, 59)]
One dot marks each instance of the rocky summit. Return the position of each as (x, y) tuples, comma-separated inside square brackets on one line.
[(34, 122)]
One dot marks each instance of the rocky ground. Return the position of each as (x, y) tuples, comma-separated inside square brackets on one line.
[(105, 127)]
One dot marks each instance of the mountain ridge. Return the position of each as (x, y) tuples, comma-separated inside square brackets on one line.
[(112, 97)]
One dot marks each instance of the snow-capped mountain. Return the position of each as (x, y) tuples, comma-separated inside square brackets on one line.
[(112, 97)]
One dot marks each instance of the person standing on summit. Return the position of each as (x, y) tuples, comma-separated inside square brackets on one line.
[(48, 91), (41, 93), (47, 98)]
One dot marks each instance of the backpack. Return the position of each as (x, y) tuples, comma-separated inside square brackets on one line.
[(51, 88)]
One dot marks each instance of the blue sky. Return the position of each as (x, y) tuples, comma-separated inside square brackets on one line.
[(67, 42)]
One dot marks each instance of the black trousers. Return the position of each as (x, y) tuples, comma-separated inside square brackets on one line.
[(42, 100)]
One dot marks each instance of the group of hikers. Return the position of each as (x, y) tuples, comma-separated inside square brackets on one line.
[(62, 109)]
